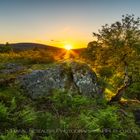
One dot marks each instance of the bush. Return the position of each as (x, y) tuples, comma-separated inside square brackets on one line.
[(46, 121), (105, 72), (66, 116), (13, 136), (48, 138), (134, 91), (25, 118), (35, 57), (3, 112), (107, 118), (70, 103), (5, 49)]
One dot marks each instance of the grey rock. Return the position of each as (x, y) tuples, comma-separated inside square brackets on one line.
[(71, 76), (10, 68), (84, 78)]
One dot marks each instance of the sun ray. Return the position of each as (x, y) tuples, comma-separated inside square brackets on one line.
[(68, 47)]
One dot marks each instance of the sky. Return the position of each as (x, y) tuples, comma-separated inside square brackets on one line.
[(59, 22)]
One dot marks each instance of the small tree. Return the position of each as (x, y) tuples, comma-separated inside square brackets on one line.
[(120, 44), (121, 37), (121, 33), (6, 48)]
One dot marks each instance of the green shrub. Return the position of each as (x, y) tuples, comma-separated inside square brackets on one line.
[(79, 101), (108, 121), (66, 102), (3, 112), (45, 121), (7, 94), (48, 138), (26, 117), (13, 136), (36, 57), (108, 118), (61, 99), (5, 49), (105, 72), (134, 91)]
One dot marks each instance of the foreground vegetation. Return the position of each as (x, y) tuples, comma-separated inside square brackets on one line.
[(63, 115), (69, 116)]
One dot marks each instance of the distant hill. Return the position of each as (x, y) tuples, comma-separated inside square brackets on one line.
[(31, 46)]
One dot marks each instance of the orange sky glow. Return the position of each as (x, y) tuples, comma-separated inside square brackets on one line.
[(59, 22)]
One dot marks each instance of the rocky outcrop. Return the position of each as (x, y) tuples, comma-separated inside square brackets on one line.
[(84, 78), (71, 76)]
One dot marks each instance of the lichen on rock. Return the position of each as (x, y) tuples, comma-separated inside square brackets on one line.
[(71, 76)]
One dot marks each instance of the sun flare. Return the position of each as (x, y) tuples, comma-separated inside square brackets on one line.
[(68, 47)]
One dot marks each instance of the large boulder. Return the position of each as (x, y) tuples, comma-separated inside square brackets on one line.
[(71, 76)]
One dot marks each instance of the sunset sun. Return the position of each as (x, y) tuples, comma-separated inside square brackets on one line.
[(68, 47)]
